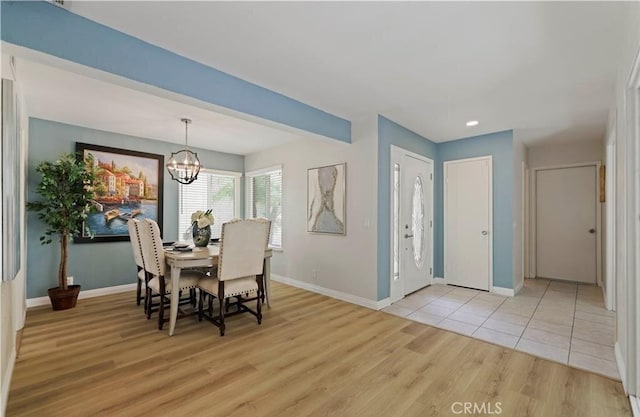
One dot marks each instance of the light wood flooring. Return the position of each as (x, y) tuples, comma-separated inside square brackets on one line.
[(312, 355)]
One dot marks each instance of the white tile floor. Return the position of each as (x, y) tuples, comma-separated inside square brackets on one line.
[(559, 321)]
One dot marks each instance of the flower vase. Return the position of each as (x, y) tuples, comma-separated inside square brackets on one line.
[(201, 236)]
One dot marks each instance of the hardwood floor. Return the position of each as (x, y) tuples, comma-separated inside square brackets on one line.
[(312, 355)]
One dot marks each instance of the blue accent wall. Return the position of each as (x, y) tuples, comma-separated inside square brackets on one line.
[(500, 146), (44, 27), (391, 133), (96, 265)]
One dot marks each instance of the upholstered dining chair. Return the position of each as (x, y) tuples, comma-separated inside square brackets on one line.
[(134, 236), (155, 265), (240, 266)]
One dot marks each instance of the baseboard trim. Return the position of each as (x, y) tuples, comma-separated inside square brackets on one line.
[(509, 292), (42, 301), (6, 382), (621, 366), (518, 287), (380, 304), (343, 296), (635, 405)]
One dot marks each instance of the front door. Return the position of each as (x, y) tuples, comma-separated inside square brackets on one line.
[(416, 222), (467, 228)]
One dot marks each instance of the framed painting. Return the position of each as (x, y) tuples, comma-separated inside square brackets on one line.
[(129, 185), (327, 199)]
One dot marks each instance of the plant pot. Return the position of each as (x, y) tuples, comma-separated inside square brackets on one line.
[(64, 299)]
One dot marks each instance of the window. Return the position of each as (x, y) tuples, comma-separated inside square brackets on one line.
[(215, 190), (264, 199)]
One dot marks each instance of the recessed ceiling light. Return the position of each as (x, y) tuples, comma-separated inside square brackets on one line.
[(472, 123)]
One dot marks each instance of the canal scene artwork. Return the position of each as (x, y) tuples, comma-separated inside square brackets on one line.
[(128, 185)]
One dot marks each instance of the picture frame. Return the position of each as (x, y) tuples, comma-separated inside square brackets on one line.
[(130, 185), (327, 199)]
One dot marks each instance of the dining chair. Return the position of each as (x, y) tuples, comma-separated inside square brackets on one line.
[(134, 236), (155, 265), (266, 284), (240, 266)]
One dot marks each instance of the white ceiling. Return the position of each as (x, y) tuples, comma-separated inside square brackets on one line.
[(56, 94), (546, 69)]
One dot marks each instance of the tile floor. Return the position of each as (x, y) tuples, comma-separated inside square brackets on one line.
[(561, 321)]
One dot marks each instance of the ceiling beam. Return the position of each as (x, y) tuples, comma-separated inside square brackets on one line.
[(50, 29)]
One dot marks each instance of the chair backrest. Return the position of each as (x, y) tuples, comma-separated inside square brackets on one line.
[(134, 235), (151, 244), (242, 248)]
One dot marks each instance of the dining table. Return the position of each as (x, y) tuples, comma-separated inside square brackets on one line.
[(202, 257)]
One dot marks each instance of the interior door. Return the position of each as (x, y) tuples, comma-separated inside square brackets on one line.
[(566, 214), (467, 229), (416, 223)]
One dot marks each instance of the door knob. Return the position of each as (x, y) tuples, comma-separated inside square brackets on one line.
[(406, 236), (484, 233), (592, 231)]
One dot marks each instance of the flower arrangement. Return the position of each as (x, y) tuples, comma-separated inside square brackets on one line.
[(202, 219)]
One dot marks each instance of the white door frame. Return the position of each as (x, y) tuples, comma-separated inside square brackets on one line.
[(533, 200), (631, 372), (488, 158), (610, 202), (396, 292), (526, 208)]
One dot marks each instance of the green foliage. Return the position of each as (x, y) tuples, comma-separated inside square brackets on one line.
[(65, 190)]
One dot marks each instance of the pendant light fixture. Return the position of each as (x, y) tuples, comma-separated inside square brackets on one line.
[(184, 165)]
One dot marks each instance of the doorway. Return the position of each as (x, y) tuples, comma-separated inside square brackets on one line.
[(411, 222), (566, 223), (468, 226)]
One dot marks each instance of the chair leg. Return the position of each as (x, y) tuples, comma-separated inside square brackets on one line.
[(226, 305), (139, 292), (149, 302), (210, 305), (259, 310), (192, 296), (221, 317), (161, 312), (200, 305), (261, 288)]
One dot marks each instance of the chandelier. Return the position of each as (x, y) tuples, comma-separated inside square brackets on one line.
[(184, 165)]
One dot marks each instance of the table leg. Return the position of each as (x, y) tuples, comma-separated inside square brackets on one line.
[(267, 280), (175, 298)]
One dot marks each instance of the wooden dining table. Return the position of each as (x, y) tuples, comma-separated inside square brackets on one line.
[(202, 258)]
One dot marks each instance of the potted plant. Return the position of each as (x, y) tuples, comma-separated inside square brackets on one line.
[(65, 191)]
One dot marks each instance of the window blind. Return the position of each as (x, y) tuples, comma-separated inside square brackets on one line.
[(209, 191), (265, 200)]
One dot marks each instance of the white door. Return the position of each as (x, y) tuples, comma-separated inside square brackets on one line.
[(468, 228), (566, 214), (416, 223)]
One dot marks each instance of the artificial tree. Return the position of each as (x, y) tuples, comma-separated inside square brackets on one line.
[(66, 191)]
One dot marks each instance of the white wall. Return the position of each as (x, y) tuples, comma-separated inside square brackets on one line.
[(12, 293), (627, 342), (519, 158), (565, 153), (346, 264)]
